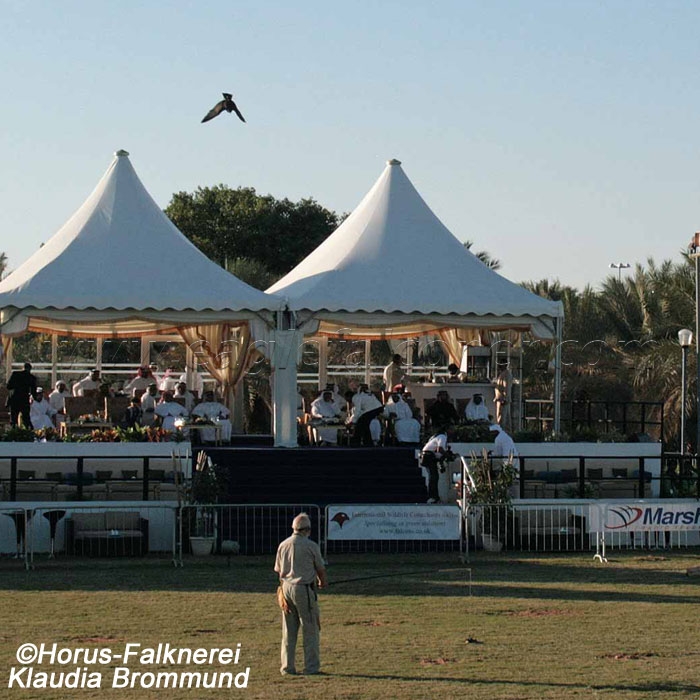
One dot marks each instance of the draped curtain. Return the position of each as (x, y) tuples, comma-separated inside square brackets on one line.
[(225, 351), (456, 338)]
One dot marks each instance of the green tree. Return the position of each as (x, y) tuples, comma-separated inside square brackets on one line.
[(484, 256), (230, 225), (3, 265)]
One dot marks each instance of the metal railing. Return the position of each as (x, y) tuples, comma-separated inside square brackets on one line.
[(142, 483), (241, 528), (627, 417)]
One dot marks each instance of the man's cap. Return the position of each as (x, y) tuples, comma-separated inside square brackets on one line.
[(496, 428), (40, 390), (397, 387), (301, 522)]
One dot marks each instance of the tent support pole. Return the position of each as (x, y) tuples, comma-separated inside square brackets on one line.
[(54, 359), (322, 362)]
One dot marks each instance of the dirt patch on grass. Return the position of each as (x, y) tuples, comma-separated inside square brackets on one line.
[(651, 557), (204, 631), (539, 612), (439, 661), (630, 657), (94, 640), (366, 623)]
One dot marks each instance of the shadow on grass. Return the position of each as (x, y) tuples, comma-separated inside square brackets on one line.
[(667, 687), (570, 577)]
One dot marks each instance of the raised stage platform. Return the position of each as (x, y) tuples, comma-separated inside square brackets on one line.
[(320, 475)]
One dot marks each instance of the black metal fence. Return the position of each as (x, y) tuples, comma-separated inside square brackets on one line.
[(630, 418)]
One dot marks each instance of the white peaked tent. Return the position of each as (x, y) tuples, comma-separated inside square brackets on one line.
[(120, 268), (393, 270)]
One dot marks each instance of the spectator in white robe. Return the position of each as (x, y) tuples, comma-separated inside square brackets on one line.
[(149, 401), (41, 411), (182, 394), (90, 383), (57, 398), (365, 409), (476, 410), (406, 427), (213, 410), (326, 417), (168, 412), (337, 398), (394, 373), (139, 383), (168, 381), (194, 381), (503, 445)]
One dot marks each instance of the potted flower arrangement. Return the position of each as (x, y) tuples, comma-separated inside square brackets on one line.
[(207, 485), (489, 490)]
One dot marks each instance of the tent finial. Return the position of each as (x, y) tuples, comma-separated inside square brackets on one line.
[(393, 161), (121, 152)]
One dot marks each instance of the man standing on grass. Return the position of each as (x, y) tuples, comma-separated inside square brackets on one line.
[(300, 568)]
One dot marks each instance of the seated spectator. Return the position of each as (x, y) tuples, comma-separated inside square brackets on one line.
[(40, 410), (325, 412), (133, 414), (476, 411), (148, 405), (442, 412), (167, 411), (139, 383), (182, 394), (91, 383), (406, 427), (215, 411)]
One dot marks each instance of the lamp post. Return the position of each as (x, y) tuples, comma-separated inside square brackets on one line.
[(685, 338), (620, 267), (694, 252)]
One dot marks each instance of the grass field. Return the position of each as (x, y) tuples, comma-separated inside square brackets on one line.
[(540, 626)]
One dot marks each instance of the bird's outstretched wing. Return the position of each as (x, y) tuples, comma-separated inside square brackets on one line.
[(215, 111), (236, 110)]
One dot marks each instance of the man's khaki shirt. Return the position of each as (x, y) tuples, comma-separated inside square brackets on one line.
[(298, 559)]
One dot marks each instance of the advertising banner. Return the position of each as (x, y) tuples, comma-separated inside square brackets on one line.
[(638, 517), (393, 522)]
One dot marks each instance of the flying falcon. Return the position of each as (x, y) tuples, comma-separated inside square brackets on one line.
[(227, 104)]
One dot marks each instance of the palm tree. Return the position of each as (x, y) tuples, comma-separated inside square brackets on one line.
[(491, 263), (3, 265)]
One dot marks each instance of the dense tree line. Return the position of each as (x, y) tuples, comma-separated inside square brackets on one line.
[(621, 341)]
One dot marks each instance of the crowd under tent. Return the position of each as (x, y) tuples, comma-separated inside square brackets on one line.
[(119, 268), (392, 270)]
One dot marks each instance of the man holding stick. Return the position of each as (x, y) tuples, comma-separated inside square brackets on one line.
[(299, 565)]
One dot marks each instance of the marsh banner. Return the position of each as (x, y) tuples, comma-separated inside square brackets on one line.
[(392, 522), (636, 517)]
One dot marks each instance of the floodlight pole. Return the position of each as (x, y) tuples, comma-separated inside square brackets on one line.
[(620, 267), (694, 252), (685, 338)]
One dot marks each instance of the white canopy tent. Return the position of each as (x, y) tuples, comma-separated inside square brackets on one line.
[(393, 270), (120, 268)]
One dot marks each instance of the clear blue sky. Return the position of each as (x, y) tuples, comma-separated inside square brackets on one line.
[(559, 135)]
